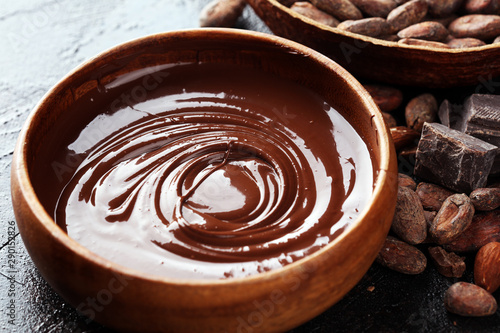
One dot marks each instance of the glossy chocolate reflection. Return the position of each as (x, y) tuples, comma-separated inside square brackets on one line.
[(214, 172)]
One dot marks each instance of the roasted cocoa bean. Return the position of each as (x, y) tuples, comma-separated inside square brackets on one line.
[(485, 228), (406, 181), (310, 11), (462, 43), (482, 6), (389, 119), (430, 30), (372, 26), (485, 198), (409, 222), (419, 110), (401, 257), (447, 263), (467, 299), (403, 136), (487, 267), (452, 219), (221, 13), (432, 196), (421, 42), (478, 26), (407, 14), (340, 9), (386, 98)]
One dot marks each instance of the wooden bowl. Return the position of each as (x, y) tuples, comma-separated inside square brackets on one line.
[(278, 300), (384, 61)]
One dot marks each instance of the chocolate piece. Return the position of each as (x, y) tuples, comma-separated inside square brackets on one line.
[(450, 114), (453, 159), (481, 119)]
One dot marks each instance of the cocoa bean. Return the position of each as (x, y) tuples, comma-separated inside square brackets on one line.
[(430, 30), (487, 267), (221, 13), (429, 217), (453, 218), (482, 6), (401, 257), (432, 196), (310, 11), (372, 26), (421, 42), (386, 98), (406, 181), (462, 43), (340, 9), (389, 119), (403, 136), (447, 263), (443, 8), (376, 8), (407, 14), (467, 299), (485, 198), (409, 222), (419, 110), (478, 26), (484, 228)]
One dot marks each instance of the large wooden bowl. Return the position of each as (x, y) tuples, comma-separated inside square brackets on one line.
[(380, 60), (274, 301)]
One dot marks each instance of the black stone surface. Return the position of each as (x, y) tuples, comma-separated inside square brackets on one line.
[(42, 40)]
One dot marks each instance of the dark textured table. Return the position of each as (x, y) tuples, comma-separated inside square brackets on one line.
[(43, 40)]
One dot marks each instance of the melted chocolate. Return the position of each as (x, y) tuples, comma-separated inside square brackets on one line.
[(209, 171)]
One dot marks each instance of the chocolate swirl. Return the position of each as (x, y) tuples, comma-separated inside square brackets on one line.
[(214, 180)]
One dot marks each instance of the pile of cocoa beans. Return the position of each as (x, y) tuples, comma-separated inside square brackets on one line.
[(435, 23), (436, 223)]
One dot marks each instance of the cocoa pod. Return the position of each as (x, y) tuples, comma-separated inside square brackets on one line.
[(419, 110), (390, 121), (372, 26), (478, 26), (375, 8), (221, 13), (403, 136), (453, 218), (340, 9), (406, 181), (485, 198), (421, 42), (431, 195), (484, 228), (487, 267), (310, 11), (401, 257), (409, 222), (430, 30), (386, 98), (447, 263), (482, 6), (462, 43), (467, 299), (407, 14), (443, 8)]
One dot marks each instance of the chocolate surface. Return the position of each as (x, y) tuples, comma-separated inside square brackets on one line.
[(194, 172)]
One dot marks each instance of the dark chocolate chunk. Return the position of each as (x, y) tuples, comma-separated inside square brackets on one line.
[(481, 119), (450, 114), (453, 159)]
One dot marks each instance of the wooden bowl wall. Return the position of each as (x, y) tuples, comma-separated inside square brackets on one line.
[(384, 61), (273, 301)]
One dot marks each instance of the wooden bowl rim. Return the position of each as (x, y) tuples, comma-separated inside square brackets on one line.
[(377, 41), (21, 180)]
